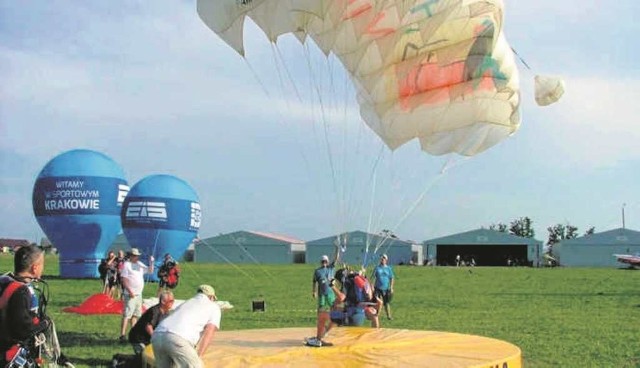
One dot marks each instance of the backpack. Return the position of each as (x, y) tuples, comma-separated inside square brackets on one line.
[(7, 287), (169, 273), (357, 289), (102, 268)]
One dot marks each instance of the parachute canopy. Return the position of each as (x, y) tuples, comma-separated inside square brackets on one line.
[(548, 89), (439, 71)]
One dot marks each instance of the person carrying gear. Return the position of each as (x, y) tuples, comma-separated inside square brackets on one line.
[(360, 303), (27, 333), (168, 273)]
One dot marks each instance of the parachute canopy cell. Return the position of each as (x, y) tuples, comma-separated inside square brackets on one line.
[(439, 71)]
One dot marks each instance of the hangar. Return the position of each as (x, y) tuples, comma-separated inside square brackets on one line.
[(365, 249), (597, 250), (250, 247), (485, 247)]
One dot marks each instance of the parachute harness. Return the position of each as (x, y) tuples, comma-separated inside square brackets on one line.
[(29, 352)]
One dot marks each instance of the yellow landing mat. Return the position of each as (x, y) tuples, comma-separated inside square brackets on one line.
[(356, 347)]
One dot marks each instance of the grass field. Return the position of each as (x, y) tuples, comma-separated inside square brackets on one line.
[(559, 317)]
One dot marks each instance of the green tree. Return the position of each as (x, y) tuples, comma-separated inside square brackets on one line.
[(522, 227), (560, 232)]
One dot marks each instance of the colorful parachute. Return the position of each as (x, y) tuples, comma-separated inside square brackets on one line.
[(440, 71)]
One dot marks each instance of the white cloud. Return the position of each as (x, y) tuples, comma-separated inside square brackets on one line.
[(595, 124)]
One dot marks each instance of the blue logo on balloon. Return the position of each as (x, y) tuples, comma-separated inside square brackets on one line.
[(77, 201), (160, 215)]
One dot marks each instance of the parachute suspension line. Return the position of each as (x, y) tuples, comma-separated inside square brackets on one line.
[(153, 253), (226, 259), (190, 267), (449, 164), (155, 243), (327, 142), (335, 105), (373, 179), (521, 59), (278, 58), (348, 152), (270, 97), (371, 203), (245, 251), (257, 78)]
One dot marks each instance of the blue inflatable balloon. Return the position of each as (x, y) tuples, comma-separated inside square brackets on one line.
[(160, 215), (77, 200)]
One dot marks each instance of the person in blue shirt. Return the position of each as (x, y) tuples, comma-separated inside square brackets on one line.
[(383, 286), (322, 291)]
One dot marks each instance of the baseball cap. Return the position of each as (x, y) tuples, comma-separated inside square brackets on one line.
[(324, 258), (206, 290), (135, 252), (384, 256)]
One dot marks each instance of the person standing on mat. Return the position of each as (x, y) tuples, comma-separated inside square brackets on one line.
[(322, 291)]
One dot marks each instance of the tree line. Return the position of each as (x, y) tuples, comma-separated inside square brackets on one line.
[(523, 227)]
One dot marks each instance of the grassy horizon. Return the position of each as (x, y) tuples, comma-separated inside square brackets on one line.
[(569, 317)]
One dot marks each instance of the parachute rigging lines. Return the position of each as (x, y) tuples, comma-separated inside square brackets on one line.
[(437, 71), (548, 89), (224, 258)]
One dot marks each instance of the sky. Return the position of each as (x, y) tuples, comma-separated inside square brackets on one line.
[(273, 141)]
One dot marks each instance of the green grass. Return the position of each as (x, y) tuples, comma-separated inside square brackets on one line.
[(559, 317)]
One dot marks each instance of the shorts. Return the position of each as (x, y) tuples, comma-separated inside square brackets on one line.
[(338, 317), (132, 306), (325, 302), (112, 281), (356, 316), (385, 295)]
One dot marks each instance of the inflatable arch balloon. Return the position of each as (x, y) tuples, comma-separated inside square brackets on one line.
[(77, 200), (160, 215)]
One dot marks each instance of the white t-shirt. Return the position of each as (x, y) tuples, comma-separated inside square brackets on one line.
[(190, 318), (134, 273)]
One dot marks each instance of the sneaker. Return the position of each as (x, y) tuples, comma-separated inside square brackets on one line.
[(314, 341), (64, 361), (122, 339)]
